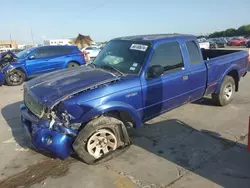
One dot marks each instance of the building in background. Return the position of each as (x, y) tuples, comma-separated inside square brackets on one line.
[(8, 44), (82, 41), (57, 42), (21, 46)]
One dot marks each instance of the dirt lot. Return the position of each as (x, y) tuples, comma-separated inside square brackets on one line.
[(197, 145)]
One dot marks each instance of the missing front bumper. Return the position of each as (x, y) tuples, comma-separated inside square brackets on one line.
[(57, 144)]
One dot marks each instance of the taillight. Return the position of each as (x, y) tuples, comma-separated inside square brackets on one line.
[(80, 54), (85, 55)]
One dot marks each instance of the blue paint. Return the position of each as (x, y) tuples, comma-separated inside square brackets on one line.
[(2, 79), (89, 91), (62, 138), (41, 65)]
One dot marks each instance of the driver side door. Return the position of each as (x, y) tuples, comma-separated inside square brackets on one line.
[(37, 61), (169, 90)]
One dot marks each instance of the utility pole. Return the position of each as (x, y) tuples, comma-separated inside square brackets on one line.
[(10, 38), (32, 37)]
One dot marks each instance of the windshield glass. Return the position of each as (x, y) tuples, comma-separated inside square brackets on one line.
[(124, 56), (23, 53)]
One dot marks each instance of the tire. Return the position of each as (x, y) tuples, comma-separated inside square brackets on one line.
[(85, 141), (226, 93), (15, 77), (72, 64)]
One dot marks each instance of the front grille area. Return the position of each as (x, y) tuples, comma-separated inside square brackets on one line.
[(34, 106)]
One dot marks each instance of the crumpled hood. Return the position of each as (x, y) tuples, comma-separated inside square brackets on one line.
[(8, 52), (50, 88), (5, 63)]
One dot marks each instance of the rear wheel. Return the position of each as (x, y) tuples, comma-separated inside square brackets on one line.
[(15, 77), (226, 93), (72, 64)]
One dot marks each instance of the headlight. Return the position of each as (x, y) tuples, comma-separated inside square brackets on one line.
[(34, 106)]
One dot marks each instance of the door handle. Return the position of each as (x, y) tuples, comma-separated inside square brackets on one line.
[(185, 77)]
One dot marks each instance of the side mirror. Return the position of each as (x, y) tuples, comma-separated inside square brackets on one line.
[(155, 71), (31, 57)]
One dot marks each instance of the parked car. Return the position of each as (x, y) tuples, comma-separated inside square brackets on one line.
[(212, 43), (203, 43), (92, 51), (5, 49), (132, 80), (221, 42), (248, 44), (237, 42), (36, 61)]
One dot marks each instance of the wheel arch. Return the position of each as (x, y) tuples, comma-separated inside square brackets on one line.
[(234, 73), (72, 61), (126, 113)]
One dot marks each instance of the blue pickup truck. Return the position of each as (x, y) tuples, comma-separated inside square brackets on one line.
[(16, 68), (134, 79)]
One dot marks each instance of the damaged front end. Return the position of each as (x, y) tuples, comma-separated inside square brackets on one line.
[(45, 130), (48, 135), (53, 129), (7, 59)]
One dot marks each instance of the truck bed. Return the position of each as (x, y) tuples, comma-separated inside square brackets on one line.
[(210, 53), (219, 61)]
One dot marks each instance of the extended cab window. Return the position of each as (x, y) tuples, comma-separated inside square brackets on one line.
[(169, 56), (193, 52)]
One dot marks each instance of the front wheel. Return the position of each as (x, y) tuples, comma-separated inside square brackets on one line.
[(15, 77), (226, 93), (100, 140), (72, 64)]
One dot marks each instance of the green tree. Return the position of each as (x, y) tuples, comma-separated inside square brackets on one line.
[(244, 30), (230, 32)]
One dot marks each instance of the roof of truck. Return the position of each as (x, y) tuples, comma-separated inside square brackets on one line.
[(154, 37)]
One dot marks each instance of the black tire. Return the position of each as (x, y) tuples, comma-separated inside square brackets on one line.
[(15, 77), (72, 64), (112, 124), (222, 98)]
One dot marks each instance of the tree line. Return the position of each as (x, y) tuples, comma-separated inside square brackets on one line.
[(243, 30)]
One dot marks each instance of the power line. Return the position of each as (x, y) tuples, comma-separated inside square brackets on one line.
[(100, 5), (96, 7)]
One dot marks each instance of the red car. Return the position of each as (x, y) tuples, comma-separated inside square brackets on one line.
[(237, 42)]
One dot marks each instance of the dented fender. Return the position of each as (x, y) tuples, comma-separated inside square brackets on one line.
[(114, 106), (13, 66)]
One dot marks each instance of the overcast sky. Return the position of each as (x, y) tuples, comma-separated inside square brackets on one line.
[(103, 20)]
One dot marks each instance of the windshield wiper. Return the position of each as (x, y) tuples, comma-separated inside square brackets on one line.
[(113, 68), (92, 65)]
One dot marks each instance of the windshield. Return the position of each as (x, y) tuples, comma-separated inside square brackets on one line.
[(125, 56), (23, 53)]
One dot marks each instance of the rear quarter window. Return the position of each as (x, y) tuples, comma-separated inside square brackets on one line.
[(193, 52), (63, 50)]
